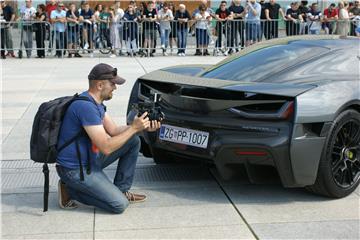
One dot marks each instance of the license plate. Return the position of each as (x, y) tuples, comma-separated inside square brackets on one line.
[(184, 135)]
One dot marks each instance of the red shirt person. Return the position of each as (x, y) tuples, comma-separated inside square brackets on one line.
[(330, 15)]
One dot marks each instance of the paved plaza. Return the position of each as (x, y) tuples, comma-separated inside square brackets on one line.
[(187, 201)]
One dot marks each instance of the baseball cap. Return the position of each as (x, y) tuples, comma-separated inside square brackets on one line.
[(103, 71)]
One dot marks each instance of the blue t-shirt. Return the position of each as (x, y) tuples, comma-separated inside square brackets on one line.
[(251, 17), (59, 26), (80, 113)]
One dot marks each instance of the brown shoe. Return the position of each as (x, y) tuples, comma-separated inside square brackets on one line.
[(134, 198), (64, 199)]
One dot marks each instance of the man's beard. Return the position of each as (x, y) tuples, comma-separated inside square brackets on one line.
[(107, 97)]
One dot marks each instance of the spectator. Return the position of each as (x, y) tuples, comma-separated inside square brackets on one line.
[(97, 32), (330, 17), (253, 10), (304, 9), (272, 11), (7, 16), (27, 13), (40, 30), (182, 17), (58, 18), (293, 20), (237, 26), (353, 13), (149, 17), (212, 14), (118, 18), (173, 27), (343, 22), (50, 6), (222, 16), (98, 9), (165, 15), (104, 26), (88, 18), (131, 30), (203, 19), (73, 30), (357, 24), (314, 17), (262, 19)]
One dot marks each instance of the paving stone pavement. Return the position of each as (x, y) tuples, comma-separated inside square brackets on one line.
[(188, 201)]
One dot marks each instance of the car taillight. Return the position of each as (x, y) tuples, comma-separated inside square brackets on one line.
[(288, 111), (267, 111)]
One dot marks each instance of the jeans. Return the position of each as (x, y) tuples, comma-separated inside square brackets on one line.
[(271, 29), (2, 35), (40, 40), (182, 39), (27, 38), (8, 40), (164, 37), (316, 32), (253, 31), (60, 43), (237, 31), (97, 189)]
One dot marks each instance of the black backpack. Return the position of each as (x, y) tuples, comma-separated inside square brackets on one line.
[(44, 136)]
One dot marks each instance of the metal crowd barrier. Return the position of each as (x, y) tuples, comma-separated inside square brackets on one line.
[(26, 38)]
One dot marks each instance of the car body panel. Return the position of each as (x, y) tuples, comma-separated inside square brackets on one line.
[(293, 146)]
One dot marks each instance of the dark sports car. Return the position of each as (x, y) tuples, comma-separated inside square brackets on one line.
[(291, 103)]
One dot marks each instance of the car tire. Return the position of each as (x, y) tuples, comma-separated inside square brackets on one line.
[(337, 165)]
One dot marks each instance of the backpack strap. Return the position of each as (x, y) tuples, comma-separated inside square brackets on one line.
[(46, 186), (79, 134), (79, 158)]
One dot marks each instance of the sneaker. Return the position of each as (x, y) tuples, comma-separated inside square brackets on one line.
[(12, 55), (165, 54), (70, 55), (179, 54), (77, 55), (134, 198), (86, 46), (183, 54), (112, 55), (64, 199)]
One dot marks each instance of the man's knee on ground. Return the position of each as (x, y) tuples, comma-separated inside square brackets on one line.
[(119, 207)]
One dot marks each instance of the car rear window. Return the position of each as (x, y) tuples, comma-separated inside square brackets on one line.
[(258, 64)]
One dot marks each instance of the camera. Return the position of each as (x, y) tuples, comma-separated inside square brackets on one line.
[(151, 107)]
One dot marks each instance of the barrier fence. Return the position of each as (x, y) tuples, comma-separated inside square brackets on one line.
[(145, 38)]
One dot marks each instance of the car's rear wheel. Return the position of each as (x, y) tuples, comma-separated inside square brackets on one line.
[(339, 169)]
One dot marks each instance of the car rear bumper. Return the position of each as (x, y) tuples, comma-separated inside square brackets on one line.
[(249, 145)]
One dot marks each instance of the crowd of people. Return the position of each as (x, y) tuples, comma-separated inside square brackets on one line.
[(235, 25)]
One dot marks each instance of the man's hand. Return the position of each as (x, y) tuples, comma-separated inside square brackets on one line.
[(141, 123), (155, 125)]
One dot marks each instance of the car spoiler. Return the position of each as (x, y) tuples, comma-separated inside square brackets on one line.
[(281, 89)]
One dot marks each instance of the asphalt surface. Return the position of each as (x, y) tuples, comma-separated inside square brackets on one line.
[(184, 201)]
